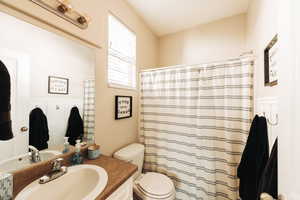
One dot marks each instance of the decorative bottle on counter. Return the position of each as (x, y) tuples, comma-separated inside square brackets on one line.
[(66, 145), (77, 158)]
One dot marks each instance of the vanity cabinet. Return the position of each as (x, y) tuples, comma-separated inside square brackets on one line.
[(124, 192)]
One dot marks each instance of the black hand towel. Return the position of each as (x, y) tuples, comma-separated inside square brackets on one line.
[(269, 180), (5, 107), (75, 126), (254, 159), (38, 129)]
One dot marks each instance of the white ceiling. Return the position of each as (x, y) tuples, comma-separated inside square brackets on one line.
[(169, 16)]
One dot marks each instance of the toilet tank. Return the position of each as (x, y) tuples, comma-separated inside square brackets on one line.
[(133, 153)]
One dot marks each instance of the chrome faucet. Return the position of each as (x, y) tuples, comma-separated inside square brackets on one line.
[(34, 154), (57, 164), (57, 171)]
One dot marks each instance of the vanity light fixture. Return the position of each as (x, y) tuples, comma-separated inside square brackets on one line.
[(65, 10)]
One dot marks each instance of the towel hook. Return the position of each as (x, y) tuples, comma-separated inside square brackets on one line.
[(269, 121)]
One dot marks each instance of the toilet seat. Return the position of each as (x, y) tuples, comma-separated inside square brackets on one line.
[(155, 186)]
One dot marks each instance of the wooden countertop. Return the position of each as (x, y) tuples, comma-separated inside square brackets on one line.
[(118, 172)]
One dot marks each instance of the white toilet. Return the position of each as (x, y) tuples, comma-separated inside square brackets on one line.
[(149, 186)]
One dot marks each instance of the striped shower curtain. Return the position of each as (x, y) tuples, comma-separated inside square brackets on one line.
[(194, 124), (89, 110)]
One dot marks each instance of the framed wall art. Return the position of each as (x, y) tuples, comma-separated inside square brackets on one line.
[(123, 106), (58, 85), (271, 63)]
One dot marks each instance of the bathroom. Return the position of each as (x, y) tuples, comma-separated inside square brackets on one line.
[(63, 54)]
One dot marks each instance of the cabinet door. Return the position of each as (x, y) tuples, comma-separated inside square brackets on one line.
[(18, 66), (124, 192)]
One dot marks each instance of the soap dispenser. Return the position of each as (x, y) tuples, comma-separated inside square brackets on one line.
[(77, 158), (66, 145)]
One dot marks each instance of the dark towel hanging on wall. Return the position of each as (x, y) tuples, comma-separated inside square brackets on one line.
[(75, 126), (254, 159), (38, 129), (5, 107), (269, 179)]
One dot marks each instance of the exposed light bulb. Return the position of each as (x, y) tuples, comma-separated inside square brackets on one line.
[(88, 18), (83, 19), (64, 6)]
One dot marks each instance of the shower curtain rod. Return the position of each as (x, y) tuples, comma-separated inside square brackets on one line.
[(244, 55)]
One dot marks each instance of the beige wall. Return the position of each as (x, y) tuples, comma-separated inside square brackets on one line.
[(261, 28), (294, 149), (214, 41), (265, 19), (110, 134), (289, 77)]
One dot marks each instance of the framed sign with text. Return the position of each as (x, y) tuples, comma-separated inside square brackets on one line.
[(271, 63), (58, 85), (123, 107)]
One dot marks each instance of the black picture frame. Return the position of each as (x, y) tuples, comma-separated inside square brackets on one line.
[(50, 82), (267, 62), (118, 103)]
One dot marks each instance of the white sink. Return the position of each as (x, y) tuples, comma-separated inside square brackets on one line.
[(22, 161), (81, 182)]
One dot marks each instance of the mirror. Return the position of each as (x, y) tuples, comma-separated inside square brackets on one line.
[(52, 91)]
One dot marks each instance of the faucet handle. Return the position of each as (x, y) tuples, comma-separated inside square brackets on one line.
[(57, 164)]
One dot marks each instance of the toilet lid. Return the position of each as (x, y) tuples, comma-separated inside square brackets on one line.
[(156, 184)]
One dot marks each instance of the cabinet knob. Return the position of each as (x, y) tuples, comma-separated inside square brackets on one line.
[(24, 129)]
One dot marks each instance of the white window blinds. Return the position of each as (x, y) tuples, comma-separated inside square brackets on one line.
[(121, 55)]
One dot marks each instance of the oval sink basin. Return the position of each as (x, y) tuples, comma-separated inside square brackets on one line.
[(22, 161), (81, 182)]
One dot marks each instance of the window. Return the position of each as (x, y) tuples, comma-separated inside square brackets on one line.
[(121, 55)]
